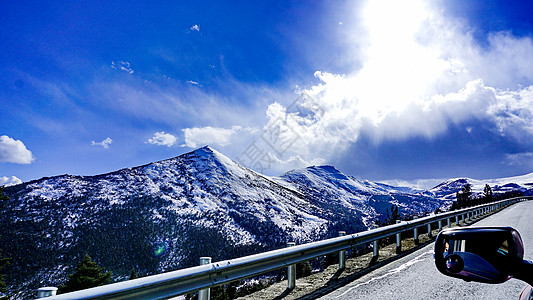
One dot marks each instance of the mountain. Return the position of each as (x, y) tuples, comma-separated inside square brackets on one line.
[(152, 218), (447, 189), (165, 215), (340, 195)]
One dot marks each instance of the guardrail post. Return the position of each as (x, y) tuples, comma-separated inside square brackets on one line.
[(429, 231), (448, 222), (204, 294), (375, 246), (46, 291), (342, 254), (398, 240), (440, 225), (456, 220), (415, 233), (291, 271)]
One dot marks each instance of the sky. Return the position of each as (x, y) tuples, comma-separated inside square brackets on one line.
[(399, 91)]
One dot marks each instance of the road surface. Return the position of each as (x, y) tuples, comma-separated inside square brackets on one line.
[(415, 276)]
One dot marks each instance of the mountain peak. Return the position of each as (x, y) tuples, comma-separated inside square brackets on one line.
[(327, 170), (205, 151), (208, 156)]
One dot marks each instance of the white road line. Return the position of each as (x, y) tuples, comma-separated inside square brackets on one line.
[(394, 271)]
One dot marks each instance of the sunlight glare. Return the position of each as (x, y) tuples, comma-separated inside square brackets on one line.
[(398, 69)]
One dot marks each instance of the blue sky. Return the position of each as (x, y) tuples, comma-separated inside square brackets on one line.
[(383, 90)]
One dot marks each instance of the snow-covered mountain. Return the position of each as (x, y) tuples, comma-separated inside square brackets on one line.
[(165, 215), (325, 186), (447, 189)]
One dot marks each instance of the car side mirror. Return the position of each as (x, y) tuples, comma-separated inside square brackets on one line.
[(482, 254)]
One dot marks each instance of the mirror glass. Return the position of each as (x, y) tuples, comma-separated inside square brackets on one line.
[(484, 254)]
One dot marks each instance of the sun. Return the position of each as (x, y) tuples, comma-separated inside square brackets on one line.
[(390, 21), (398, 68)]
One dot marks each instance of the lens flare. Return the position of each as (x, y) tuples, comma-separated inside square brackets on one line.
[(160, 248)]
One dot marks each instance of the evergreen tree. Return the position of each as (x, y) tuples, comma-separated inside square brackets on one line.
[(87, 275), (391, 217), (133, 275), (467, 190), (464, 196), (487, 192), (3, 261), (3, 197), (395, 214)]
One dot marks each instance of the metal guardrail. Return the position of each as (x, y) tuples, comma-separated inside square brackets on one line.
[(171, 284)]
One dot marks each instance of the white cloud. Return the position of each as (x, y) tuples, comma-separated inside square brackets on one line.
[(14, 151), (195, 27), (524, 159), (192, 82), (214, 136), (163, 139), (7, 181), (104, 144), (123, 66), (418, 73), (176, 104)]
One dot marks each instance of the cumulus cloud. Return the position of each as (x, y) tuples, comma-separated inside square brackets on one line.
[(195, 27), (215, 136), (14, 151), (163, 139), (104, 144), (419, 73), (7, 181), (192, 82)]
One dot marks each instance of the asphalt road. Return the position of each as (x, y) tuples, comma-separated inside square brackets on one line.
[(415, 276)]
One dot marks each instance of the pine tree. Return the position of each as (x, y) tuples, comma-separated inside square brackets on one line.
[(487, 192), (395, 214), (467, 190), (133, 275), (87, 275), (3, 197), (3, 261)]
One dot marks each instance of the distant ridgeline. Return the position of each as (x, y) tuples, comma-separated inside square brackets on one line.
[(165, 215)]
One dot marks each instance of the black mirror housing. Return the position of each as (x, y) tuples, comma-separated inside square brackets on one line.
[(482, 254)]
